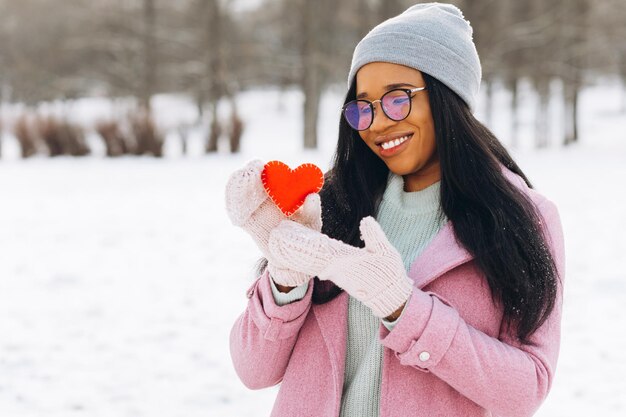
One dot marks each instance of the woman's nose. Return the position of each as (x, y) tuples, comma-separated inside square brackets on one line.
[(381, 122)]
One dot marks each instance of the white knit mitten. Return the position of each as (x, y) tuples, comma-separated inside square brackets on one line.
[(374, 275), (249, 207)]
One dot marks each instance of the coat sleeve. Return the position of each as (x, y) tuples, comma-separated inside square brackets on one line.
[(262, 338), (499, 374)]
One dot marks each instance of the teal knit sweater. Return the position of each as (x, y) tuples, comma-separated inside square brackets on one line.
[(410, 221)]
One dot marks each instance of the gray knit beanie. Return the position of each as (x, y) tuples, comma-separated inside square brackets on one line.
[(433, 38)]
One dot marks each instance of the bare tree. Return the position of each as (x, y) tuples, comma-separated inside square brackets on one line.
[(215, 67), (149, 45), (311, 83)]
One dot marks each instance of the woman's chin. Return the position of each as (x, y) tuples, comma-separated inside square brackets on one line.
[(401, 169)]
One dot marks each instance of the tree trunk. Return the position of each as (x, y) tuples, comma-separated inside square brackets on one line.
[(489, 103), (578, 12), (311, 108), (199, 106), (624, 94), (1, 117), (575, 115), (214, 69), (514, 113), (215, 130), (622, 72), (310, 73), (571, 93), (149, 54), (542, 117), (236, 128)]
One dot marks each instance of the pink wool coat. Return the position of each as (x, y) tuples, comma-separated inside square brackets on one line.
[(448, 355)]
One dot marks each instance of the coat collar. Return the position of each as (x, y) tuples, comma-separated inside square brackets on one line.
[(440, 256)]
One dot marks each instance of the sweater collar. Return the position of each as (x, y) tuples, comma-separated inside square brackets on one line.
[(416, 202)]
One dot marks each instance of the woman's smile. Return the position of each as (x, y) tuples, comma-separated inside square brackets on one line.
[(393, 144)]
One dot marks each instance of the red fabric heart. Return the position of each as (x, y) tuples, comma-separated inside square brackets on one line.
[(289, 187)]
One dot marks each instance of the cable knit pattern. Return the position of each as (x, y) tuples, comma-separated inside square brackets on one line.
[(410, 221)]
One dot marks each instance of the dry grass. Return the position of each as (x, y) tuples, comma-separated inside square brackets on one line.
[(62, 137), (26, 135), (135, 135)]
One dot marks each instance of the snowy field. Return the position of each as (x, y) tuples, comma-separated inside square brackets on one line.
[(120, 279)]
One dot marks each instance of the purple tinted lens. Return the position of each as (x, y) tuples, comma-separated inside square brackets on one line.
[(396, 104), (358, 114)]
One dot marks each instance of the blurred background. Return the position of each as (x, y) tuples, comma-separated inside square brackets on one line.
[(120, 273)]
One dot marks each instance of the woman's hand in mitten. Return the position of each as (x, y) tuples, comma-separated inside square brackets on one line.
[(375, 275), (249, 207)]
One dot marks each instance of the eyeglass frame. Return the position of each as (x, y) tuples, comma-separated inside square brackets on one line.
[(410, 92)]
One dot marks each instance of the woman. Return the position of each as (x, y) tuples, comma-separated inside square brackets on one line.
[(434, 287)]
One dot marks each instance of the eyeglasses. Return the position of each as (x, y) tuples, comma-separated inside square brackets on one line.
[(396, 105)]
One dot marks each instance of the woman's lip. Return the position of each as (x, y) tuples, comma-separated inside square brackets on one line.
[(395, 149)]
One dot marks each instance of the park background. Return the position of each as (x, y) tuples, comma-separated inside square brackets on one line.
[(120, 273)]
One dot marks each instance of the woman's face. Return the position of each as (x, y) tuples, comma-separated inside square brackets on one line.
[(415, 159)]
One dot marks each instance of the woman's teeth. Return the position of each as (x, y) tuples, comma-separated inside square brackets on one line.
[(393, 143)]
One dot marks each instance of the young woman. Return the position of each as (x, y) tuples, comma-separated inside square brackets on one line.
[(429, 280)]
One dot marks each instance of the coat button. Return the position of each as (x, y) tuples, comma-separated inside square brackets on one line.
[(424, 356)]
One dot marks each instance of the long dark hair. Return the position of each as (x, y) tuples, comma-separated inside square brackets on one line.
[(492, 219)]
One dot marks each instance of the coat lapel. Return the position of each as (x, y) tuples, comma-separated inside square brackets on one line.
[(440, 256)]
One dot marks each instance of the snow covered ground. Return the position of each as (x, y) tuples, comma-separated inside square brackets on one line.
[(120, 279)]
